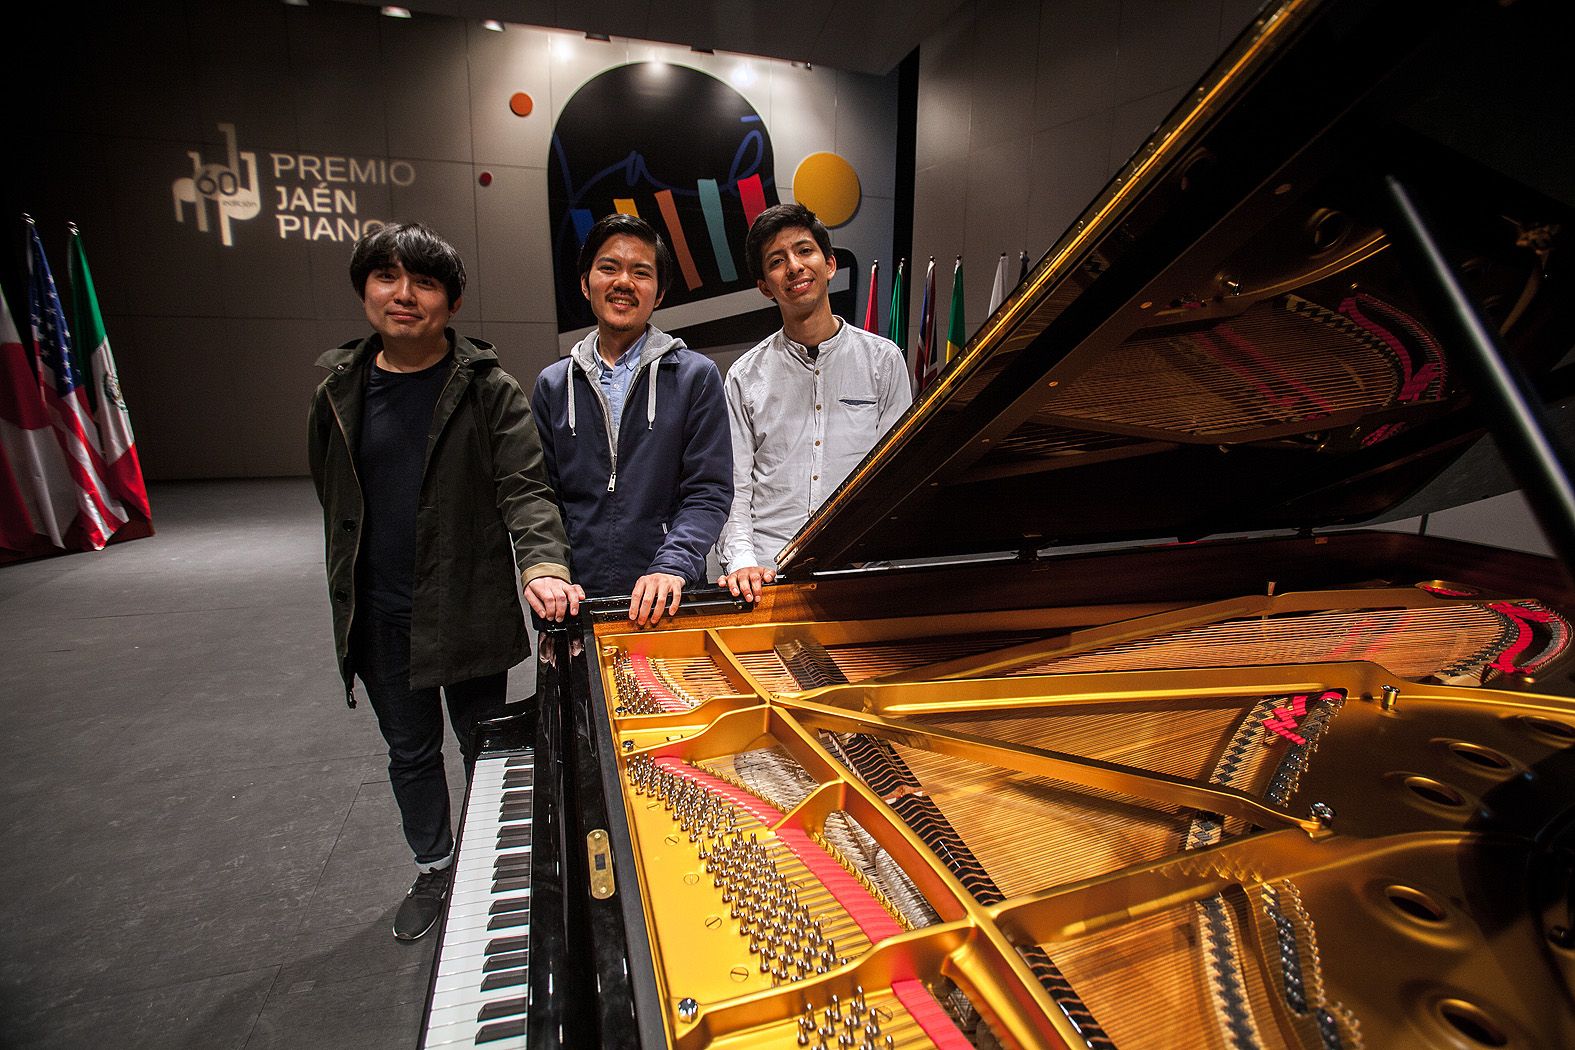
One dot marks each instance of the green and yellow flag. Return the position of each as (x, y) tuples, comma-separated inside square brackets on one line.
[(956, 332)]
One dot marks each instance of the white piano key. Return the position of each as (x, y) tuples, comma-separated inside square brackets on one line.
[(457, 997)]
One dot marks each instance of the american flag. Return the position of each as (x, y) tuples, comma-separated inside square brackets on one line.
[(98, 513)]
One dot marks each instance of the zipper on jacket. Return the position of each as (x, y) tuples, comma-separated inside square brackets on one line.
[(601, 399), (350, 455)]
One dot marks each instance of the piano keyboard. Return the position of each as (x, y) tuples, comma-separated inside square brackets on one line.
[(480, 989)]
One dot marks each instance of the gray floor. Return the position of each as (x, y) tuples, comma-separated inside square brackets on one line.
[(204, 851)]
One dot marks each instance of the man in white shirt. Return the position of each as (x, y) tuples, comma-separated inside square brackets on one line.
[(805, 405)]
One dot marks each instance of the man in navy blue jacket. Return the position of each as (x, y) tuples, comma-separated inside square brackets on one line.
[(634, 429)]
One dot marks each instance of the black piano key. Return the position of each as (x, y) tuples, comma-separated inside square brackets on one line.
[(518, 780), (502, 1008), (499, 945), (513, 838), (511, 863), (509, 885), (515, 798), (501, 1030), (519, 760), (510, 904), (506, 961), (505, 979), (519, 811), (509, 920)]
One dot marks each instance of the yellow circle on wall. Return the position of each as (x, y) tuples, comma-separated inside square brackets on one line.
[(828, 186)]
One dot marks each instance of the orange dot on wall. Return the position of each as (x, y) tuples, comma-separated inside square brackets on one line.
[(520, 104), (827, 185)]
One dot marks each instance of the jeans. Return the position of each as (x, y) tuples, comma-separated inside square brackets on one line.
[(412, 723)]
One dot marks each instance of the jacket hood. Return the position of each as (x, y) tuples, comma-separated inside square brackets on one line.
[(585, 359), (468, 352)]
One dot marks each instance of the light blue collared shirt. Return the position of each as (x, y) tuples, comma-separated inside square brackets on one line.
[(615, 378)]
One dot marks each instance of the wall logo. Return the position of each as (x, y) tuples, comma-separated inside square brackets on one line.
[(315, 197), (235, 199)]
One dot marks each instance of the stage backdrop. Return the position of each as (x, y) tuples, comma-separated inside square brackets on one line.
[(221, 157)]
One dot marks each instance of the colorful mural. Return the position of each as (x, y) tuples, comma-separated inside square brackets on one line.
[(690, 155)]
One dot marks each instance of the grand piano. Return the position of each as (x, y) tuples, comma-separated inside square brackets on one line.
[(1149, 750)]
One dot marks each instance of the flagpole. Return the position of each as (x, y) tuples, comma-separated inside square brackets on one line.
[(956, 327), (871, 310)]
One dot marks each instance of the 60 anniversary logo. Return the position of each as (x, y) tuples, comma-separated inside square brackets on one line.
[(314, 197)]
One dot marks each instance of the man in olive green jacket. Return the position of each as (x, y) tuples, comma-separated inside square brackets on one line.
[(430, 472)]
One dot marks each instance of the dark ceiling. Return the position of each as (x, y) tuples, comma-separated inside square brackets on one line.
[(865, 36)]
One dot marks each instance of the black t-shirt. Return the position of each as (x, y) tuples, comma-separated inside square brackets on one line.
[(395, 419)]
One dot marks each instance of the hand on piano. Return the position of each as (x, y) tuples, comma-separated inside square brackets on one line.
[(552, 598), (747, 582), (651, 593)]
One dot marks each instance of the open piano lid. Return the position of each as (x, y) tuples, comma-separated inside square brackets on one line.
[(1225, 340)]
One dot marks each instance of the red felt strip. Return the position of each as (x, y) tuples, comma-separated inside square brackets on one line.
[(923, 1008), (873, 919), (646, 676), (753, 196)]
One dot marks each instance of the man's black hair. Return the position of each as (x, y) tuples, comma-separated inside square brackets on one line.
[(418, 248), (610, 226), (773, 221)]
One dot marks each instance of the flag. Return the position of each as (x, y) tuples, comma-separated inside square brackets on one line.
[(897, 316), (122, 469), (37, 495), (1022, 267), (871, 311), (926, 358), (956, 333), (998, 288), (99, 514)]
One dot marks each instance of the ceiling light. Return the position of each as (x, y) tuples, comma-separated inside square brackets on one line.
[(396, 12), (296, 3), (492, 24), (603, 37)]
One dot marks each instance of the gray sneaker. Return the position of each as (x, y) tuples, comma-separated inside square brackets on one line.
[(423, 904)]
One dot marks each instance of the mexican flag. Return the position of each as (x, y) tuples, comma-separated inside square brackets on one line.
[(117, 444)]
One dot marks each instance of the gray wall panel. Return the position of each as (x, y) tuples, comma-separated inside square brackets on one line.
[(338, 80), (524, 348), (512, 239), (501, 64), (1077, 60), (428, 115), (862, 104), (350, 118), (1029, 108)]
